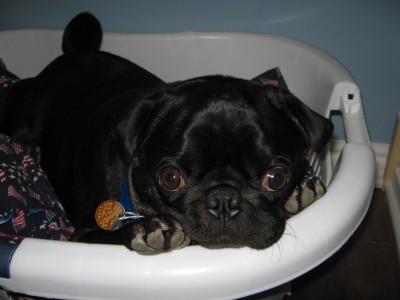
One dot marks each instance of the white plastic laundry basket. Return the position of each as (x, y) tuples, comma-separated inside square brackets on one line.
[(65, 270)]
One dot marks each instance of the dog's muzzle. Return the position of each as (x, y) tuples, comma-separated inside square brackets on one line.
[(223, 202)]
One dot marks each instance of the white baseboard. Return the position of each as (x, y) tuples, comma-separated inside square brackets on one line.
[(392, 190), (391, 187), (381, 153)]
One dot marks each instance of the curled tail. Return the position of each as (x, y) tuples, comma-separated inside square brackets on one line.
[(83, 35)]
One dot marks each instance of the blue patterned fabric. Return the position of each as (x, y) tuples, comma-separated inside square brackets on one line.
[(28, 205)]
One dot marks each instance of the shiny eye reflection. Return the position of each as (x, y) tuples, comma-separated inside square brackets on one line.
[(275, 179), (171, 179)]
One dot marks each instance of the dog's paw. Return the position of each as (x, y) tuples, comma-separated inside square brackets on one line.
[(305, 193), (157, 234)]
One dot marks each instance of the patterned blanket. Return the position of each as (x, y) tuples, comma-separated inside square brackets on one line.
[(28, 204)]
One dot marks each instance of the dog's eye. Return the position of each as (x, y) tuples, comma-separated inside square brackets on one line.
[(171, 179), (275, 179)]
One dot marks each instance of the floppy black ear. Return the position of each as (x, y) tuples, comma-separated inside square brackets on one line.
[(317, 130)]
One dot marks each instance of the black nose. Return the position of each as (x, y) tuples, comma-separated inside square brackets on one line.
[(223, 202)]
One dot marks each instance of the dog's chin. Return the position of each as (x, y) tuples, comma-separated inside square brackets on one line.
[(227, 242), (260, 233), (223, 240)]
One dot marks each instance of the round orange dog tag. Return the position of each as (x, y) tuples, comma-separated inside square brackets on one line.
[(107, 213)]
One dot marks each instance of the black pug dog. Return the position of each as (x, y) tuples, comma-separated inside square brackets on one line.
[(209, 161)]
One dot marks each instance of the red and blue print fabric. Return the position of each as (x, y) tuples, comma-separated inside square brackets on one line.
[(28, 205)]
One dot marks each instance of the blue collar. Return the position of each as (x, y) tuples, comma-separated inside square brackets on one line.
[(129, 215), (125, 199)]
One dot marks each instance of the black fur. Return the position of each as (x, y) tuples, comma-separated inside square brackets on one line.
[(100, 119)]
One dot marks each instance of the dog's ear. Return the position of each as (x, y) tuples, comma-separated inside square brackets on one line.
[(316, 129), (134, 127)]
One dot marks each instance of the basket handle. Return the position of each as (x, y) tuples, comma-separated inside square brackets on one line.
[(7, 251)]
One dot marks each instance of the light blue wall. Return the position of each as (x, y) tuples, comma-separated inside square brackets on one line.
[(364, 35)]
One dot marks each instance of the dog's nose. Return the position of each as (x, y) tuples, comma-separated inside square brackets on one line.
[(223, 202)]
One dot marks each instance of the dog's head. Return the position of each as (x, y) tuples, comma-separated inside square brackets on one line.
[(222, 155)]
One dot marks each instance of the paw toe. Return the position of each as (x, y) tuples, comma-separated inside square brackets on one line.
[(156, 236), (156, 239)]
